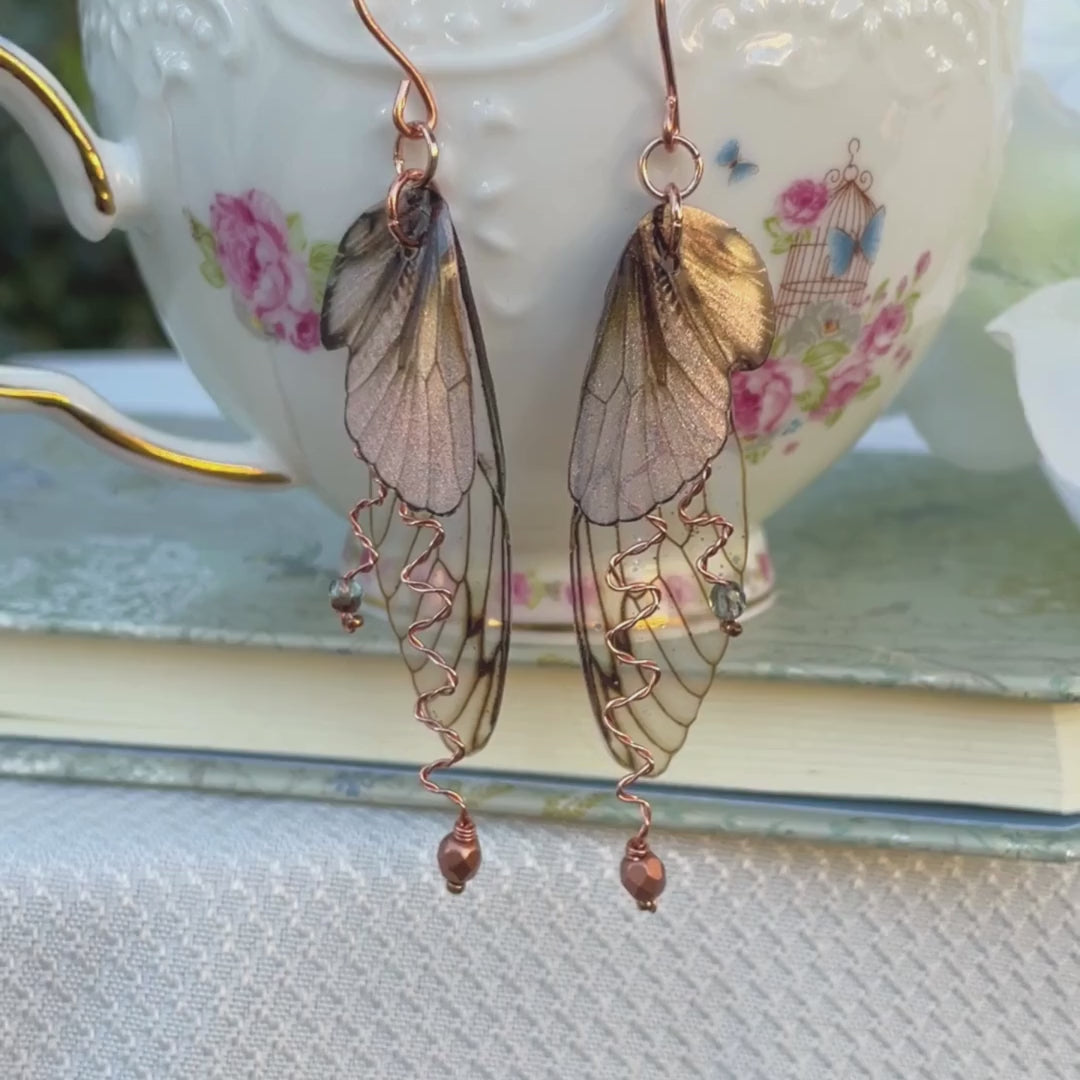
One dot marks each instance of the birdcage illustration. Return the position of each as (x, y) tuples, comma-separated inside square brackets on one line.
[(832, 260)]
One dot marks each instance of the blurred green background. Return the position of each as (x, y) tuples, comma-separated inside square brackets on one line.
[(57, 291)]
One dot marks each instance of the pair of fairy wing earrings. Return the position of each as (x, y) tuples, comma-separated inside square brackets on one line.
[(689, 305)]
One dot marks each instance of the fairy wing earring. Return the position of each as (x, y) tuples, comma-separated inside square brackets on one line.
[(420, 410), (689, 304)]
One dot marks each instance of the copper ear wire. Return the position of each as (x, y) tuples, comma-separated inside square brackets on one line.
[(412, 130), (671, 137), (671, 117)]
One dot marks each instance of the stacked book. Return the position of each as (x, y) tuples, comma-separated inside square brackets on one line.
[(923, 644)]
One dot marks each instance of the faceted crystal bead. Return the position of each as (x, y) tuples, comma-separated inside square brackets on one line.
[(346, 595), (728, 601)]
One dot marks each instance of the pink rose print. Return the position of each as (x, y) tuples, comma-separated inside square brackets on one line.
[(878, 336), (268, 278), (588, 593), (844, 384), (831, 348), (307, 335), (253, 247), (801, 204), (761, 398), (520, 589)]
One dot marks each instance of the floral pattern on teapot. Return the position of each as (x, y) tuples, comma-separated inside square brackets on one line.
[(835, 337), (262, 256)]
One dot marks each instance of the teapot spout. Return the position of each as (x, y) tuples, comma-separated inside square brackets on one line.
[(97, 180)]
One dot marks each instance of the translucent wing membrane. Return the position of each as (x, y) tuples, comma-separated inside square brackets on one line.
[(684, 638), (420, 409), (683, 312), (407, 322), (473, 563), (656, 398)]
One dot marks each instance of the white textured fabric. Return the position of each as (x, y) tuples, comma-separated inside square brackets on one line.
[(166, 935)]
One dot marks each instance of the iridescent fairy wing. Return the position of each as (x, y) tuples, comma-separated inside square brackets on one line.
[(420, 409), (413, 354), (684, 638), (656, 398), (655, 412)]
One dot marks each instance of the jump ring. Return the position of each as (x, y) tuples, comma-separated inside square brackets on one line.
[(406, 179), (432, 146), (675, 208), (695, 154)]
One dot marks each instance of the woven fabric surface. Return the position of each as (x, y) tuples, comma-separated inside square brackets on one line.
[(169, 935)]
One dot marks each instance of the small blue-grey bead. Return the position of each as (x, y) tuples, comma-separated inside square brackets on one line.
[(728, 601), (346, 595)]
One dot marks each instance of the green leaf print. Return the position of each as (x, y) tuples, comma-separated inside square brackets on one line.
[(868, 387), (297, 239), (203, 237), (812, 398), (320, 260), (825, 355), (211, 270), (210, 267)]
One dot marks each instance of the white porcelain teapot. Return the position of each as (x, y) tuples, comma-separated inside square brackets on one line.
[(230, 126)]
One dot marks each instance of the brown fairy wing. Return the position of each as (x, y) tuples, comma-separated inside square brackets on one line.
[(405, 318), (656, 398), (421, 411), (684, 638)]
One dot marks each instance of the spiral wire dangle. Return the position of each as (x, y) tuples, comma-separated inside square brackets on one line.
[(345, 595), (724, 531), (424, 701), (645, 599), (635, 592)]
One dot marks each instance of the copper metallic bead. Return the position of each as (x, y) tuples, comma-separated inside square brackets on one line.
[(459, 855), (642, 876)]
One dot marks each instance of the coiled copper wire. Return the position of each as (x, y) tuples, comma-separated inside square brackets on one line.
[(369, 554), (635, 591), (423, 702)]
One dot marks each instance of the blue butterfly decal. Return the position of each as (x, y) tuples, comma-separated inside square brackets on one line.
[(738, 170), (843, 247)]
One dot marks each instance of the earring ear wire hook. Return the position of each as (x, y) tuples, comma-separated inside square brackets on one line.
[(671, 118), (411, 129)]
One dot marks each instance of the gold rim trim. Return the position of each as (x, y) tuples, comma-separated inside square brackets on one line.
[(143, 448), (67, 119)]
